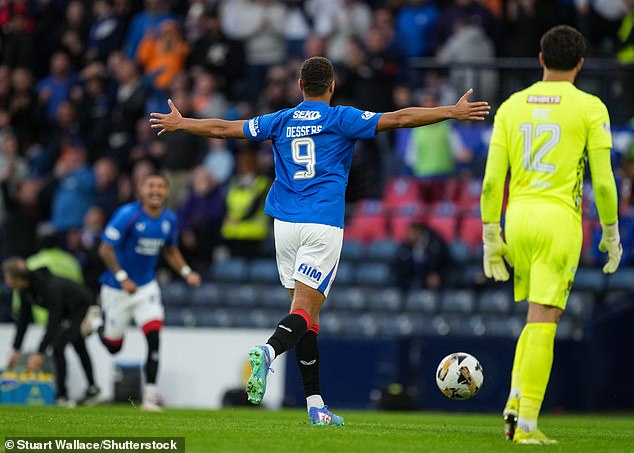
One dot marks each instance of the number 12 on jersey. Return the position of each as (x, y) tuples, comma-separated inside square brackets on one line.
[(303, 149), (534, 162)]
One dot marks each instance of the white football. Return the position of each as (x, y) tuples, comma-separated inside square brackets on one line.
[(459, 376)]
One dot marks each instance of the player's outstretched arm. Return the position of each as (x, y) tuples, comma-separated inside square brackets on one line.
[(174, 121), (421, 116)]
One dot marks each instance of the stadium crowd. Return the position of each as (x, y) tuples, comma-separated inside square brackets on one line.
[(78, 79)]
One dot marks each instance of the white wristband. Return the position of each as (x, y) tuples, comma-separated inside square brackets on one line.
[(185, 271), (121, 275)]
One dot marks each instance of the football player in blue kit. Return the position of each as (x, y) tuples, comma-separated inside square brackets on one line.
[(313, 146), (131, 243)]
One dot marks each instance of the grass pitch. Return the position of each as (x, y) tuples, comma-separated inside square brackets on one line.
[(287, 431)]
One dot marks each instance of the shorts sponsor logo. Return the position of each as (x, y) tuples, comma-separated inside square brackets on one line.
[(310, 272), (306, 115), (367, 115)]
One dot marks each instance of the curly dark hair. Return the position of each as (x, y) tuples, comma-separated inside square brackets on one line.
[(562, 47), (316, 74)]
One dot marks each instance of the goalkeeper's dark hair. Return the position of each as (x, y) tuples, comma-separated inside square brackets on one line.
[(316, 74), (562, 47)]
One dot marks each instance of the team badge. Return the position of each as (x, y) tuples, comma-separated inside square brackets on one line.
[(165, 226)]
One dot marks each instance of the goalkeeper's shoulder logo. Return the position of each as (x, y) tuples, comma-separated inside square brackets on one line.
[(606, 127)]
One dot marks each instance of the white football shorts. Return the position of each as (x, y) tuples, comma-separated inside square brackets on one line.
[(119, 307), (307, 252)]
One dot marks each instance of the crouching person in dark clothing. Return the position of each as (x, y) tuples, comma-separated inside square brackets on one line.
[(67, 303)]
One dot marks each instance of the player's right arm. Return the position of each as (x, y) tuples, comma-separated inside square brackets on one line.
[(497, 166), (112, 236), (216, 128), (109, 257), (421, 116)]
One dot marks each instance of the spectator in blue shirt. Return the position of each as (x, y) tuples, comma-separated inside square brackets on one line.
[(55, 89), (154, 14), (414, 27), (75, 192)]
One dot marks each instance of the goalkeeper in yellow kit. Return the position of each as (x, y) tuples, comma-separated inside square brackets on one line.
[(544, 135)]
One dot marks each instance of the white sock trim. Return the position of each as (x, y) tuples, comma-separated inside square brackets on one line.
[(271, 351), (515, 393), (528, 426), (314, 401)]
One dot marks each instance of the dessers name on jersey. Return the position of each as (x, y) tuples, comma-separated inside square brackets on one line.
[(302, 131)]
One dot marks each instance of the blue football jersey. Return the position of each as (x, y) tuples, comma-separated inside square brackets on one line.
[(313, 145), (138, 239)]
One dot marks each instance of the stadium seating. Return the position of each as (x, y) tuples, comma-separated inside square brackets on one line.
[(422, 301), (263, 271), (385, 300), (495, 301), (373, 274), (231, 270), (352, 250), (457, 301), (622, 280), (382, 251), (589, 279), (176, 293)]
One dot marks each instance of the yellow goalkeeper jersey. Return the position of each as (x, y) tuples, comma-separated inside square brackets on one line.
[(543, 134)]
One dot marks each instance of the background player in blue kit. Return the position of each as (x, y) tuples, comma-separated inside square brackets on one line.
[(313, 147), (132, 241)]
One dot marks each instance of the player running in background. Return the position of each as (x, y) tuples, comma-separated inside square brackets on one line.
[(544, 135), (130, 248), (313, 145)]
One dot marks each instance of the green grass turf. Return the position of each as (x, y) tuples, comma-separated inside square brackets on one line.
[(287, 431)]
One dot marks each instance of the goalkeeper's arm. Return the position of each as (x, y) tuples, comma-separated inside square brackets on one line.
[(495, 251), (607, 204), (493, 184)]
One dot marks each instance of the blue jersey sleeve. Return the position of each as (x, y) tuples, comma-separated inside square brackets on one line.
[(172, 238), (115, 230), (260, 127), (358, 124)]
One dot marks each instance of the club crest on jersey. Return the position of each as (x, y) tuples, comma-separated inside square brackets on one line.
[(140, 226), (165, 227), (310, 272), (367, 115)]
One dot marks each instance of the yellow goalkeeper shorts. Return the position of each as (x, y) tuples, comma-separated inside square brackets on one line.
[(544, 242)]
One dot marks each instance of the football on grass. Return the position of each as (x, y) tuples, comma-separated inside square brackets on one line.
[(459, 376)]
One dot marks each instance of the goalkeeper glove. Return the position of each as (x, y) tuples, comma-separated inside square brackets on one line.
[(611, 243), (495, 253)]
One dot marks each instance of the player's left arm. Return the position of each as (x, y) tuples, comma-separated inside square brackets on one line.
[(607, 204), (176, 261), (493, 183), (421, 116), (598, 147), (212, 127)]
